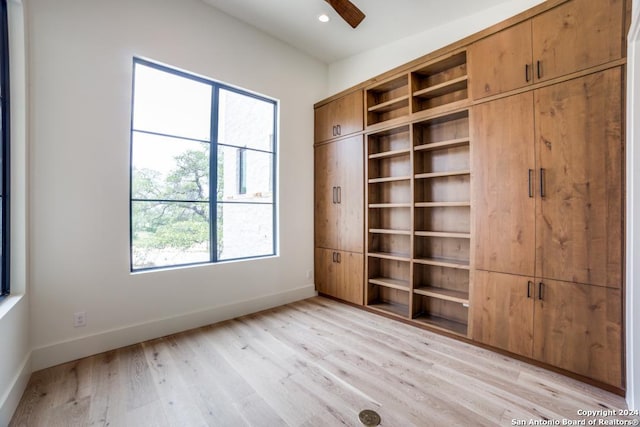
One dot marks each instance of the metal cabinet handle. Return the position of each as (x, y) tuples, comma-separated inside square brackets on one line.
[(339, 130), (526, 72), (339, 257), (539, 68), (339, 195), (333, 130), (529, 285), (531, 183), (542, 172), (540, 286)]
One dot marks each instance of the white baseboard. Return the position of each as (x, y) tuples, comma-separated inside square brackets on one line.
[(9, 402), (65, 351)]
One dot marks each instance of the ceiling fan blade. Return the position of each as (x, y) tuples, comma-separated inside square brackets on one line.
[(348, 11)]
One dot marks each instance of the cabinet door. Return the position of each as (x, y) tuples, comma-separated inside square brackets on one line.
[(341, 117), (350, 194), (503, 158), (349, 277), (501, 62), (576, 35), (325, 271), (579, 144), (578, 328), (503, 311), (325, 195)]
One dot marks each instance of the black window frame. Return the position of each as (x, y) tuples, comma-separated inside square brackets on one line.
[(215, 144), (5, 287)]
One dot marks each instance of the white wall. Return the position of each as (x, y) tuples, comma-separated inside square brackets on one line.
[(355, 69), (633, 213), (15, 350), (80, 75)]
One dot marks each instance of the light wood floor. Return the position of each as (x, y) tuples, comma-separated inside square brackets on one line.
[(311, 363)]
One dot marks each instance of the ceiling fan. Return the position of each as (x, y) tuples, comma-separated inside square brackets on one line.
[(348, 11)]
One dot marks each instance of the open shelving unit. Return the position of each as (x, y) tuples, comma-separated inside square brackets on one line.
[(442, 83), (387, 100), (442, 221), (418, 221), (389, 220)]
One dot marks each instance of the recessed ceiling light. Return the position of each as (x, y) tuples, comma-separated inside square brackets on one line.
[(323, 18)]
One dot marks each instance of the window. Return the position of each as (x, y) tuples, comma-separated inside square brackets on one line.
[(203, 158), (4, 150)]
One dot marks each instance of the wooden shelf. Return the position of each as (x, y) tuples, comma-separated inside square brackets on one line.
[(389, 205), (392, 308), (389, 179), (387, 154), (442, 204), (392, 104), (442, 174), (443, 324), (444, 294), (402, 285), (391, 256), (443, 234), (450, 143), (452, 85), (444, 262), (390, 231)]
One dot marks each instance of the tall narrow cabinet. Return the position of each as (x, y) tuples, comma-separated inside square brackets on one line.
[(338, 230)]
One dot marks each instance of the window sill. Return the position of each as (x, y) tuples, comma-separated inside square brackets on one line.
[(7, 303)]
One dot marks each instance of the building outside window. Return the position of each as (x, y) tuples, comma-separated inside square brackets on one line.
[(203, 158)]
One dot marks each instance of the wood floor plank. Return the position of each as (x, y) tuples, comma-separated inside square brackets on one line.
[(311, 363)]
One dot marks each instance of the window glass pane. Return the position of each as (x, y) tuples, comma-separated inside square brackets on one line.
[(169, 168), (170, 104), (170, 233), (258, 175), (245, 121), (244, 230)]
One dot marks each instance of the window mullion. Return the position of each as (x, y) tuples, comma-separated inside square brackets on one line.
[(213, 175)]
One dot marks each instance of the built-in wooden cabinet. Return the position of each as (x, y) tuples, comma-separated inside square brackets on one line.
[(339, 195), (553, 189), (554, 186), (340, 117), (339, 274), (501, 62), (579, 328), (569, 325), (573, 36), (577, 35), (339, 198), (504, 305), (492, 175), (504, 188), (580, 165)]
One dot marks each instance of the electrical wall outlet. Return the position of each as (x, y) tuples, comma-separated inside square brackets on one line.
[(79, 319), (309, 274)]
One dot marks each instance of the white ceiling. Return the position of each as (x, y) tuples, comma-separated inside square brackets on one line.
[(296, 21)]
